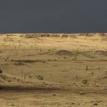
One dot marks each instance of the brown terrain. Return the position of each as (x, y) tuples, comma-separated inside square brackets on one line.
[(53, 70)]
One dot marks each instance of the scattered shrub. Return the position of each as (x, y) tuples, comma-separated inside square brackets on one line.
[(84, 82), (39, 77)]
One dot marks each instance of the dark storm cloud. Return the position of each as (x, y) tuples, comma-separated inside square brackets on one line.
[(53, 16)]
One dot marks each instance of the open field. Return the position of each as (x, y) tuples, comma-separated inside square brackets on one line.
[(53, 71)]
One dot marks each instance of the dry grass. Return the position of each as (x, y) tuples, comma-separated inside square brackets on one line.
[(96, 42), (53, 70)]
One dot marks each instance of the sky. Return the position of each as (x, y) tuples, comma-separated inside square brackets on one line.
[(53, 16)]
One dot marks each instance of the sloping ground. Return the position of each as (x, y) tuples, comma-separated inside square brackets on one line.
[(40, 60), (53, 71)]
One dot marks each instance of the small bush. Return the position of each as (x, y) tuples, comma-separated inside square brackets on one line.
[(1, 71), (84, 82), (39, 77)]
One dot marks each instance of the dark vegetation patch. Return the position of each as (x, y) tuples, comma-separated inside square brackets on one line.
[(27, 61), (39, 77), (1, 71), (104, 53), (88, 54), (24, 61), (54, 94), (64, 52), (95, 104), (85, 82), (82, 93), (22, 88)]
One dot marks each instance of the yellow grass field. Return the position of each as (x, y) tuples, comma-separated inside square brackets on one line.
[(53, 70)]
